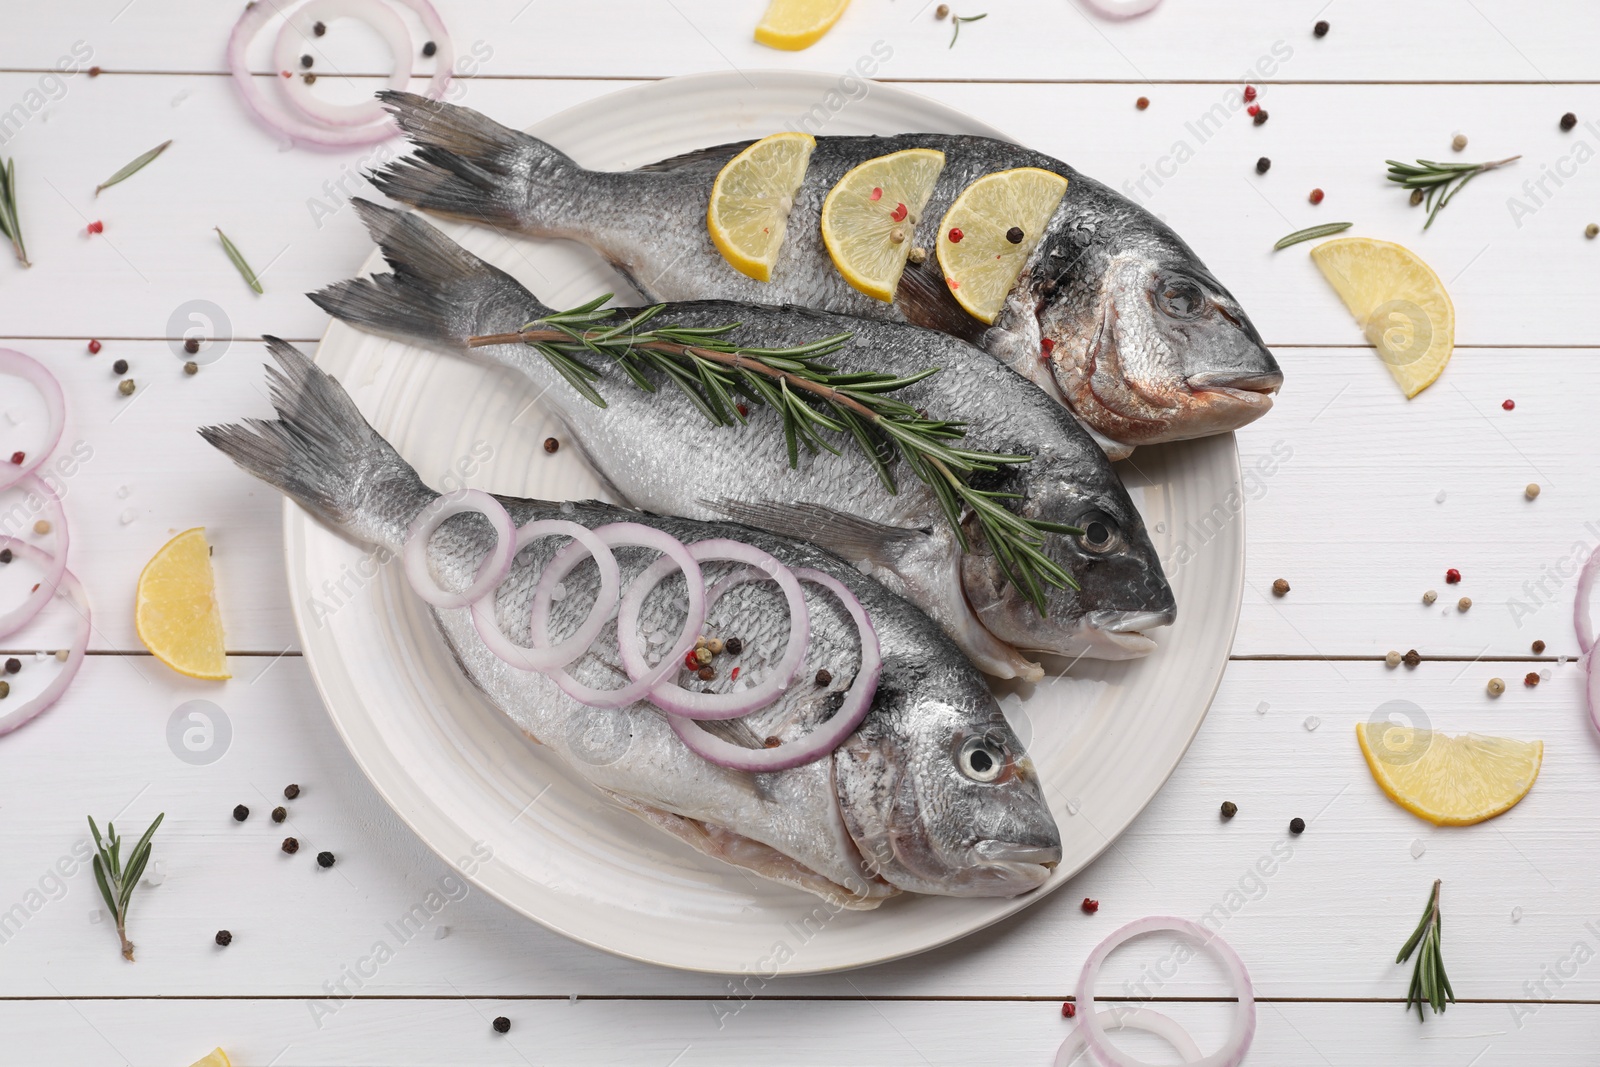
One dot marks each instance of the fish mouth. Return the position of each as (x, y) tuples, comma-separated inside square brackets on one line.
[(1253, 389), (1117, 635), (1013, 866)]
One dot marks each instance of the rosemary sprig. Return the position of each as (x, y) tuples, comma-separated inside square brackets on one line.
[(958, 20), (1428, 981), (1311, 233), (1442, 181), (238, 261), (10, 225), (117, 881), (132, 168), (813, 399)]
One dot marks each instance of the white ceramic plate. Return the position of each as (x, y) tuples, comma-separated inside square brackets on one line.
[(461, 775)]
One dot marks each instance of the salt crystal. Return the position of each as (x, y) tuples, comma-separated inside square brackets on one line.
[(1161, 527), (441, 932), (1516, 914), (573, 999), (1440, 498), (1545, 675), (567, 508), (128, 515), (1418, 848), (1561, 661), (1312, 722), (1073, 804), (863, 566), (559, 592), (156, 873), (95, 915), (1261, 708), (122, 492)]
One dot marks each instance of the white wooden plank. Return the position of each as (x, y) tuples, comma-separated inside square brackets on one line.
[(1488, 40), (1344, 895)]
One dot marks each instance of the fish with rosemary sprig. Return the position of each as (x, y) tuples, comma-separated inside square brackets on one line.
[(1144, 344), (932, 793), (660, 452)]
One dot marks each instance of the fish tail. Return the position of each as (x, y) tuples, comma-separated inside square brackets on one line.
[(439, 294), (469, 167), (323, 454)]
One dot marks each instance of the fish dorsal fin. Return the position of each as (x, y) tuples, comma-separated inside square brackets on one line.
[(718, 154), (848, 536), (925, 300)]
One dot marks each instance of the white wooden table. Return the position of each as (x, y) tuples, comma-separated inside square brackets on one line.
[(1376, 498)]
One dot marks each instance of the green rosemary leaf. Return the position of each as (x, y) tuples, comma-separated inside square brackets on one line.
[(1311, 233), (105, 888), (1441, 180), (132, 168), (10, 224), (1429, 983), (958, 20), (234, 255)]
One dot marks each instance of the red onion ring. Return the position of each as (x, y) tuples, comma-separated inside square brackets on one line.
[(55, 562), (544, 658), (15, 717), (1244, 1021), (55, 405), (673, 698), (825, 738), (1128, 1017), (296, 31), (1584, 624), (616, 534), (1120, 10), (491, 572)]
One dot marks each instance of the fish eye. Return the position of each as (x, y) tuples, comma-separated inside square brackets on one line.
[(981, 759), (1100, 533), (1181, 298)]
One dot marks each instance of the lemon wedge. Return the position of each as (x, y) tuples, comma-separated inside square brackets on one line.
[(990, 231), (1450, 781), (869, 219), (1398, 301), (751, 199), (795, 24), (215, 1058), (175, 611)]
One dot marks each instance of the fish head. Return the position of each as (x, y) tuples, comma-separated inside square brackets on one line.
[(1145, 343), (1122, 590), (938, 793)]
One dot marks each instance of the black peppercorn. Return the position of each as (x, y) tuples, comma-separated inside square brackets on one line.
[(551, 445), (1411, 658), (305, 61), (279, 813), (324, 859), (1320, 29), (1015, 235), (191, 345), (1263, 165), (240, 813), (501, 1024), (224, 938), (13, 665), (5, 555), (429, 48), (824, 677), (320, 28), (1297, 825), (120, 366), (290, 845), (291, 791), (1229, 809), (1261, 117), (733, 646), (1568, 121)]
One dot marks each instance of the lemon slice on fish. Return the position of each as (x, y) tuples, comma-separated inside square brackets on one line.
[(175, 611), (1398, 301), (869, 219), (990, 231), (795, 24), (1450, 781), (751, 199)]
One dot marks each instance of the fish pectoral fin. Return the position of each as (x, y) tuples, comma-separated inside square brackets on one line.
[(752, 855), (924, 299), (733, 731), (848, 536)]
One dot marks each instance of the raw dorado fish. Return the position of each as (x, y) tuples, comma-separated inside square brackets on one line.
[(933, 792), (661, 453), (1144, 344)]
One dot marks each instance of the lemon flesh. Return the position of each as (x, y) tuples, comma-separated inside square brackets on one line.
[(176, 613), (751, 199), (215, 1058), (1450, 781), (795, 24), (1398, 301), (869, 219), (983, 265)]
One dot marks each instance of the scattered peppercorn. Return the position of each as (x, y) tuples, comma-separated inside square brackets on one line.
[(1509, 405), (224, 938), (290, 845), (1464, 603), (702, 656), (734, 646), (1249, 92), (429, 48), (1531, 490), (41, 527), (1391, 659), (1411, 658), (1261, 117), (1530, 679), (13, 665), (942, 12), (125, 387), (240, 813), (1068, 1009), (63, 654), (324, 859), (191, 368), (1089, 906), (309, 78), (1015, 235), (501, 1024), (1280, 587), (120, 366), (706, 674), (1538, 648), (191, 345), (280, 813), (1568, 121), (1429, 597), (1592, 230), (94, 348), (551, 445), (715, 645), (1320, 29), (5, 555), (918, 255), (1416, 197), (1253, 110), (955, 236), (1229, 809), (1452, 576), (17, 458), (1263, 165), (1458, 142), (291, 791), (1297, 825), (1316, 196), (305, 61), (96, 227), (5, 690), (824, 677), (1496, 687), (771, 742), (319, 28), (1142, 103)]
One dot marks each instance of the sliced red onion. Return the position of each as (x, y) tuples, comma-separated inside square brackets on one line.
[(54, 562), (491, 572), (544, 658), (1244, 1020), (614, 535), (825, 738), (55, 406), (296, 32), (1583, 622), (1121, 9), (671, 697), (1128, 1017), (13, 717)]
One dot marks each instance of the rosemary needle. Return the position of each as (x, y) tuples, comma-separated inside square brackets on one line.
[(10, 225), (1429, 984), (1311, 233), (238, 261), (117, 881), (958, 20), (1442, 181), (132, 168)]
